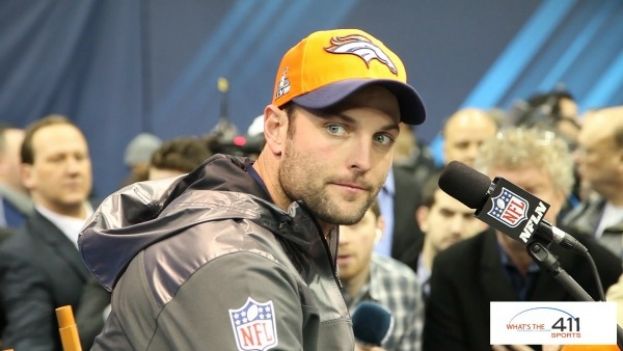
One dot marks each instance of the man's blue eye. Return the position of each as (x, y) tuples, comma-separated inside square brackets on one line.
[(336, 129), (384, 139)]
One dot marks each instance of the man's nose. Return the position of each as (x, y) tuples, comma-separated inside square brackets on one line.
[(72, 165), (361, 153)]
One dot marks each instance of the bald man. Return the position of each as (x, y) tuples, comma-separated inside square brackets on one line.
[(600, 164), (464, 132)]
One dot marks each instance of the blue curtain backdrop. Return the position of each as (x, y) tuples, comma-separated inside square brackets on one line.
[(118, 68)]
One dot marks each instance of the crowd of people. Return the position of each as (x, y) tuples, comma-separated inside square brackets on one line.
[(211, 244)]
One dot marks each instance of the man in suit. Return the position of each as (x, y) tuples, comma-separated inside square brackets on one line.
[(600, 164), (398, 200), (444, 221), (491, 266), (15, 205), (399, 197), (40, 267), (464, 132)]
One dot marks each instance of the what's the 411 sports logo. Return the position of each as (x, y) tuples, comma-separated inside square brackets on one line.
[(553, 322), (560, 323)]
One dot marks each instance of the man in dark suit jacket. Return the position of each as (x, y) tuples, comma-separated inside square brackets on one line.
[(15, 204), (492, 266), (407, 237), (470, 274), (40, 266), (5, 233), (600, 165), (464, 132)]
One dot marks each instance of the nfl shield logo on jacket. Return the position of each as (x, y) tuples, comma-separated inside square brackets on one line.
[(254, 326)]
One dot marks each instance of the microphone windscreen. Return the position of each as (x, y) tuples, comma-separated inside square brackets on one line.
[(372, 323), (465, 184)]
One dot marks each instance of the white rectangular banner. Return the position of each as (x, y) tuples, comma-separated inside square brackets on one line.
[(553, 323)]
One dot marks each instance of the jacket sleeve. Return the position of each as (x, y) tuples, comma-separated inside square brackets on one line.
[(237, 301), (29, 309)]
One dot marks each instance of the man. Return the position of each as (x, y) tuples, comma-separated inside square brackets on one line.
[(40, 267), (240, 255), (369, 276), (600, 164), (554, 110), (413, 155), (15, 204), (176, 157), (398, 200), (464, 132), (399, 197), (491, 266), (444, 221), (137, 156)]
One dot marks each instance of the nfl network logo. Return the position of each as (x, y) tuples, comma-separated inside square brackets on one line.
[(254, 326), (509, 208)]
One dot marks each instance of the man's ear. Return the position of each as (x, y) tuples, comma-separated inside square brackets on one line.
[(421, 216), (27, 176), (275, 128)]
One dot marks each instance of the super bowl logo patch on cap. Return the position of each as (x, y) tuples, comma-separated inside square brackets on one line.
[(254, 326), (509, 208), (284, 85)]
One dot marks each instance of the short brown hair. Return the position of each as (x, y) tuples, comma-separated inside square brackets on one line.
[(26, 152), (181, 154)]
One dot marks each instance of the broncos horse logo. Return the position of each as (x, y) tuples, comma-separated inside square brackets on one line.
[(360, 46)]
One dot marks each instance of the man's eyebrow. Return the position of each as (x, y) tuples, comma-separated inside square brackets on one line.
[(345, 117), (392, 126)]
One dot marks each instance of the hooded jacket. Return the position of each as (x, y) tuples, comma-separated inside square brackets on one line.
[(207, 262)]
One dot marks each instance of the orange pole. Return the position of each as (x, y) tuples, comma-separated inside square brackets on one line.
[(68, 329)]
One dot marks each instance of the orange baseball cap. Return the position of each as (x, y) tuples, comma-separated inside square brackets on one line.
[(327, 66)]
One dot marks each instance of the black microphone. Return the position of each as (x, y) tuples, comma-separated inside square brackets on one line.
[(372, 323), (503, 205)]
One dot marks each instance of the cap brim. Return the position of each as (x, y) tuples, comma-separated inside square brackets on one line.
[(412, 109)]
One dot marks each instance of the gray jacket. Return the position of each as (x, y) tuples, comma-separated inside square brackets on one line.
[(208, 263), (585, 219)]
